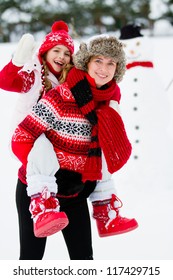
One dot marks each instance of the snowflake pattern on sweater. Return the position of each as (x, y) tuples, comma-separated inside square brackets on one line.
[(28, 80), (58, 116)]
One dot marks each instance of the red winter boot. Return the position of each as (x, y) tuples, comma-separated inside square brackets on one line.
[(109, 222), (47, 219)]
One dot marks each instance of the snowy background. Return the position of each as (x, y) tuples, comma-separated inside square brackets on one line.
[(151, 206)]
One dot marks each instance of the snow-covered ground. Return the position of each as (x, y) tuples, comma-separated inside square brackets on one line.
[(152, 207)]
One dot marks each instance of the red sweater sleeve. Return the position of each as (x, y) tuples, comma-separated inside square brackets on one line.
[(10, 79), (21, 150), (25, 135)]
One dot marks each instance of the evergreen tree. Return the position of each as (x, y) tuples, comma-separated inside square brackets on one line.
[(85, 17)]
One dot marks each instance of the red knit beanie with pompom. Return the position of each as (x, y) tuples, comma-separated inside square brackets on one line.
[(58, 36)]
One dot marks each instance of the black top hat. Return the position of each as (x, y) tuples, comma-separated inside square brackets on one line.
[(130, 31)]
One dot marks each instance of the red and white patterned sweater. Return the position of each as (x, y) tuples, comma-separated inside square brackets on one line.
[(58, 116)]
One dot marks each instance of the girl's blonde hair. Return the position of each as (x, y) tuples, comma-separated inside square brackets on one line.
[(46, 84), (65, 72)]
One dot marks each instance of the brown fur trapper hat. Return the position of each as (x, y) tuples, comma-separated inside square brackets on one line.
[(108, 46)]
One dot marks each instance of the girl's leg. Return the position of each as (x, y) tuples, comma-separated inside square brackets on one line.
[(31, 247), (42, 188)]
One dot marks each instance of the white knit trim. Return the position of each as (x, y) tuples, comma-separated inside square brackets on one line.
[(103, 190), (36, 184)]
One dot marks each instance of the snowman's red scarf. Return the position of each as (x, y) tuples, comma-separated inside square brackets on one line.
[(108, 132), (139, 63)]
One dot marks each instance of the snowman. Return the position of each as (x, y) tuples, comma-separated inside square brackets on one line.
[(145, 111)]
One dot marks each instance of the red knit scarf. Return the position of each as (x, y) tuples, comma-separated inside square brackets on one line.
[(108, 132), (139, 63)]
